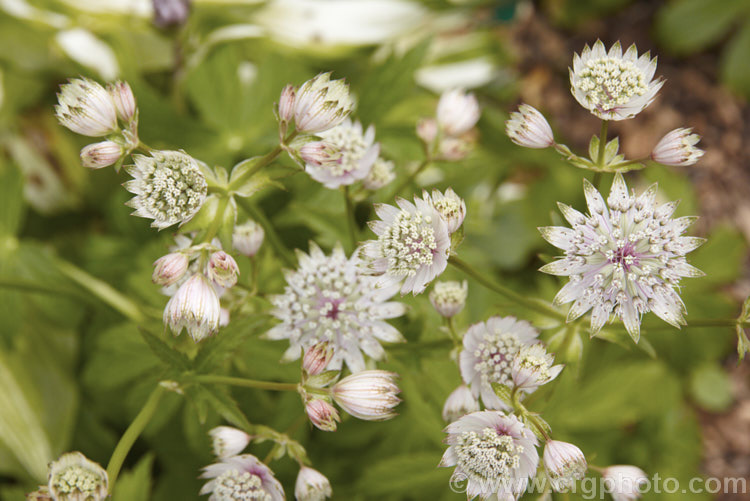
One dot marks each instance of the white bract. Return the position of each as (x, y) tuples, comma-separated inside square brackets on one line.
[(678, 148), (122, 96), (248, 237), (626, 257), (73, 477), (532, 367), (228, 441), (311, 485), (321, 103), (355, 154), (241, 478), (195, 307), (527, 127), (451, 207), (565, 464), (370, 395), (85, 107), (380, 175), (459, 403)]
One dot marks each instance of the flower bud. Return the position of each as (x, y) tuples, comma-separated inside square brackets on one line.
[(319, 153), (451, 207), (223, 269), (311, 485), (381, 174), (286, 104), (170, 268), (457, 112), (565, 464), (677, 148), (41, 494), (453, 149), (527, 127), (323, 415), (228, 441), (321, 103), (449, 297), (368, 395), (122, 96), (317, 358), (169, 13), (623, 482), (85, 107), (459, 403), (195, 306), (532, 367), (103, 154), (74, 477), (427, 130), (247, 238)]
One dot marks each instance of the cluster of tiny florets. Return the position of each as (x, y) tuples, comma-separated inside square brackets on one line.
[(610, 82), (234, 485), (486, 455)]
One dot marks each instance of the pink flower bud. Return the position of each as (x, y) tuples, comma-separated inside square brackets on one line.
[(370, 395), (624, 482), (228, 441), (317, 358), (527, 127), (565, 464), (122, 95), (427, 130), (678, 148), (323, 415), (247, 238), (170, 268), (457, 112), (311, 485), (196, 307), (286, 103), (223, 269), (319, 153), (103, 154)]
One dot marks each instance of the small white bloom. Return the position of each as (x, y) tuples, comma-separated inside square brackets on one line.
[(449, 297), (457, 112), (170, 269), (329, 299), (453, 149), (122, 96), (459, 403), (348, 155), (286, 104), (102, 154), (321, 103), (427, 130), (311, 485), (322, 414), (532, 367), (241, 478), (565, 464), (223, 269), (370, 395), (527, 127), (319, 153), (169, 187), (678, 148), (494, 453), (488, 352), (627, 257), (85, 107), (195, 306), (317, 358), (74, 477), (451, 207), (248, 237), (624, 482), (228, 441), (613, 85), (412, 248), (380, 175)]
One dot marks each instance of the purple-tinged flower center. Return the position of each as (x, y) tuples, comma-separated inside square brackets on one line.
[(625, 256)]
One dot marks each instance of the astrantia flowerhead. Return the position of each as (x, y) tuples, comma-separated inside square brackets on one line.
[(678, 148), (195, 307), (321, 103), (624, 482), (457, 112), (103, 154), (228, 441), (459, 403), (328, 298), (532, 367), (527, 127), (488, 353), (449, 297), (74, 477), (626, 257), (565, 464), (85, 107), (311, 485), (241, 478), (380, 175), (412, 248), (451, 207), (369, 395), (613, 85), (248, 237), (356, 153), (495, 454), (169, 187)]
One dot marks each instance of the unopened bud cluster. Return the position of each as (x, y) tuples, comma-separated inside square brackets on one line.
[(449, 135)]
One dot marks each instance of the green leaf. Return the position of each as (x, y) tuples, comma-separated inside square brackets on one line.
[(610, 151), (413, 475), (711, 388), (687, 26), (164, 352), (503, 393), (594, 148), (743, 343), (224, 405), (11, 200), (735, 71), (135, 485)]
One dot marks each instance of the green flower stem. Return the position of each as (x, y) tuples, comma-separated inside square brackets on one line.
[(410, 179), (270, 231), (524, 412), (452, 331), (264, 161), (351, 221), (602, 144), (102, 290), (144, 147), (530, 303), (38, 288), (597, 179), (247, 383), (213, 229), (131, 434)]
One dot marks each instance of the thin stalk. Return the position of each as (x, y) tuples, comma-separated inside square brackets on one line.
[(36, 288), (410, 179), (246, 383), (264, 161), (213, 229), (597, 179), (452, 332), (602, 143), (350, 219), (271, 235), (131, 434)]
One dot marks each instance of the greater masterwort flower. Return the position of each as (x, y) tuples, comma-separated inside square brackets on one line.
[(85, 107), (624, 482), (457, 112), (565, 464), (356, 154), (678, 148), (412, 248), (195, 307), (613, 85), (495, 454), (532, 367), (380, 175), (241, 478), (248, 237), (459, 403), (626, 257), (329, 299), (527, 127), (487, 357), (228, 441), (311, 485), (449, 297), (169, 187), (74, 477), (369, 395), (319, 104), (451, 207)]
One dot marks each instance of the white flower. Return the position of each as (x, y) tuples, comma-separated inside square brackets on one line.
[(311, 485), (626, 257), (624, 482), (317, 357), (241, 478), (248, 237), (369, 395), (532, 367), (195, 306), (527, 127), (170, 269), (222, 269), (412, 248), (487, 356), (451, 207), (322, 414), (565, 464), (678, 148), (102, 154), (380, 175), (459, 403), (228, 441), (457, 112), (73, 477), (169, 187), (449, 297), (614, 86), (321, 103), (122, 97), (494, 453), (355, 155), (329, 299), (427, 130), (86, 107)]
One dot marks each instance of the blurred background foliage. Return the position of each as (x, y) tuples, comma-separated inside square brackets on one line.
[(73, 373)]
